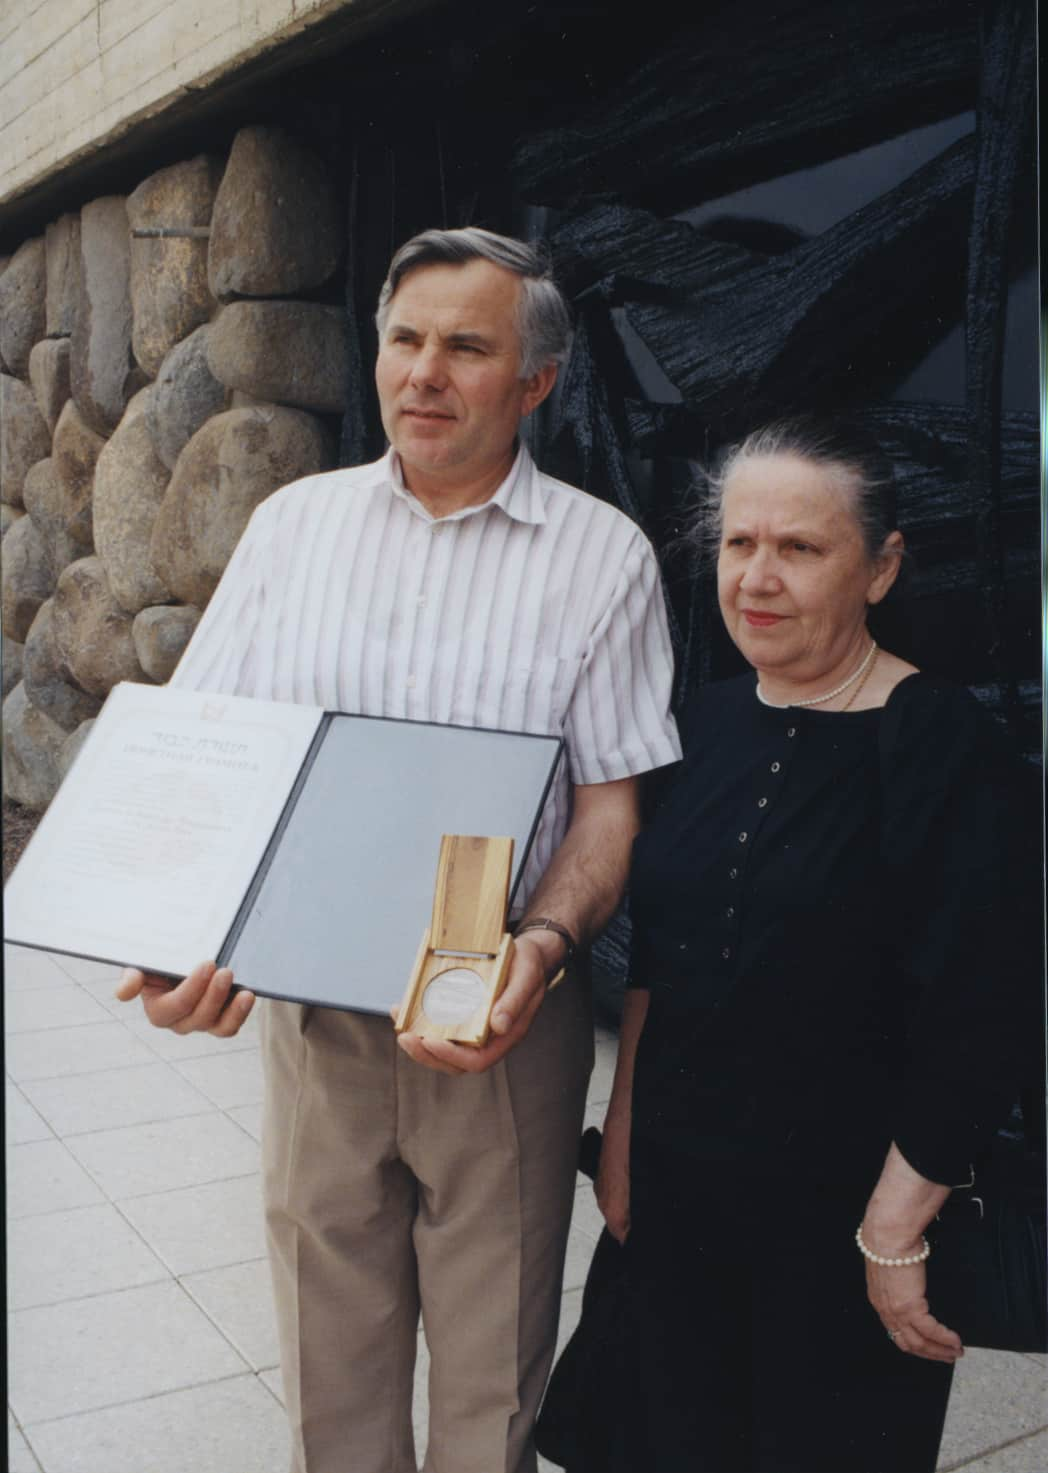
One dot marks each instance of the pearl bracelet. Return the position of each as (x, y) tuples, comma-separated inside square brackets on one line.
[(892, 1262)]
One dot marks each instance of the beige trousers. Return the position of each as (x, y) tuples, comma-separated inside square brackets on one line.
[(390, 1190)]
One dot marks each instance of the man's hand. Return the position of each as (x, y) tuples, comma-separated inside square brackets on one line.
[(536, 956), (203, 1002)]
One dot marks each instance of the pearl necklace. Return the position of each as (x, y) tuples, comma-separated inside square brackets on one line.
[(818, 700)]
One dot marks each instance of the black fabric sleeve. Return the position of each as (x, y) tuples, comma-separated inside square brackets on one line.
[(961, 845)]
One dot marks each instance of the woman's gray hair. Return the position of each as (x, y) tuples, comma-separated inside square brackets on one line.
[(543, 317), (863, 471)]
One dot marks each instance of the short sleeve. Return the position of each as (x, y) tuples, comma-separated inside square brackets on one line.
[(619, 722), (224, 647), (961, 849)]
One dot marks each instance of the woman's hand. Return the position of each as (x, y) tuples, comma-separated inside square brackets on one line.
[(901, 1207), (612, 1184), (898, 1296)]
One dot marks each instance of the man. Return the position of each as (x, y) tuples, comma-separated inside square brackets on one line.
[(448, 582)]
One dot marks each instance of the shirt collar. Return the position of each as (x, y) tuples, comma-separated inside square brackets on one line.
[(519, 495)]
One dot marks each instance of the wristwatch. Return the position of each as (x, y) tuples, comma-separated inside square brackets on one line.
[(544, 923)]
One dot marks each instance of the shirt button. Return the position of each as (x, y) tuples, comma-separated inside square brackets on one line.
[(733, 874), (410, 682), (726, 953), (421, 600), (730, 912), (762, 802), (774, 766), (743, 837), (791, 731)]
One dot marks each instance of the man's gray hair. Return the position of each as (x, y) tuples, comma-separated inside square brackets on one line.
[(543, 317)]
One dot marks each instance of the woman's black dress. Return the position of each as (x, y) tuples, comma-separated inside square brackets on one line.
[(831, 913)]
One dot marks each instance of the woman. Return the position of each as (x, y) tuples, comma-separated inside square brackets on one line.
[(825, 985)]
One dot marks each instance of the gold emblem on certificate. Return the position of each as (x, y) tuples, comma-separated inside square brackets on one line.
[(463, 962)]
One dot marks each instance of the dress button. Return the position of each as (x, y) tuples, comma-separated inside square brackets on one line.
[(762, 802), (775, 766), (733, 874), (743, 837), (726, 953)]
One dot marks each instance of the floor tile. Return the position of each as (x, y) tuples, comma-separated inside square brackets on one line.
[(43, 1177), (70, 1255), (239, 1300), (62, 1051), (104, 993), (176, 1048), (249, 1118), (271, 1380), (21, 1121), (603, 1065), (202, 1227), (234, 1426), (33, 1010), (996, 1398), (579, 1256), (233, 1080), (24, 968), (82, 970), (90, 1353), (1027, 1456), (115, 1097), (570, 1314), (19, 1456), (587, 1215), (165, 1154)]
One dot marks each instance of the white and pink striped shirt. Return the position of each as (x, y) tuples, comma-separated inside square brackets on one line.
[(540, 610)]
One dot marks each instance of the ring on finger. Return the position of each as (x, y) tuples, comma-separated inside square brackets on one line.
[(891, 1335)]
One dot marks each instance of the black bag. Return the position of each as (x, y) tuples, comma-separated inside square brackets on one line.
[(986, 1273), (586, 1421)]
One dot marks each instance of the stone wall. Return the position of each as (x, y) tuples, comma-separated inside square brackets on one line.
[(160, 375)]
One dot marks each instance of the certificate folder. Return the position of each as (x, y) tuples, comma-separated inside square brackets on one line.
[(296, 846)]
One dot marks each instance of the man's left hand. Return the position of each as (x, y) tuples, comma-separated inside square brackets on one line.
[(536, 957)]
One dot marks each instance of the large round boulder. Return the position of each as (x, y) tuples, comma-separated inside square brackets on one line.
[(169, 291), (31, 744), (45, 503), (49, 376), (275, 230), (92, 631), (282, 353), (23, 305), (46, 679), (235, 461), (161, 635), (24, 437), (186, 393), (101, 364), (26, 578), (74, 455), (12, 654), (130, 482), (62, 243)]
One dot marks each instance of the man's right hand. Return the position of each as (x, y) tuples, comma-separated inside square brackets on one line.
[(203, 1002)]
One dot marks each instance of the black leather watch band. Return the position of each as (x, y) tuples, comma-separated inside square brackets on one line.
[(543, 923)]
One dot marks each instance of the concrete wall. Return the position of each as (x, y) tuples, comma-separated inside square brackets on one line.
[(75, 75)]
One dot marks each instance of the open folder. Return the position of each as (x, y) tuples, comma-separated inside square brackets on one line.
[(297, 846)]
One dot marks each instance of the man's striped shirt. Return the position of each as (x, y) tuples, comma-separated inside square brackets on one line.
[(540, 610)]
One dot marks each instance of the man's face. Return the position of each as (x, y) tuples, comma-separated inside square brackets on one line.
[(448, 373)]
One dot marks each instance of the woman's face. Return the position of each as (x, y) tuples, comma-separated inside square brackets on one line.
[(793, 575)]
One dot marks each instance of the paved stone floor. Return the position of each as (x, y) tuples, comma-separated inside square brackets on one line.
[(140, 1335)]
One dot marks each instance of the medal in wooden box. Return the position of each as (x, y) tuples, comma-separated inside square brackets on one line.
[(463, 962)]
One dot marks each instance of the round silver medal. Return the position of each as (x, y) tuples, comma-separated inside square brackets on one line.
[(453, 996)]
